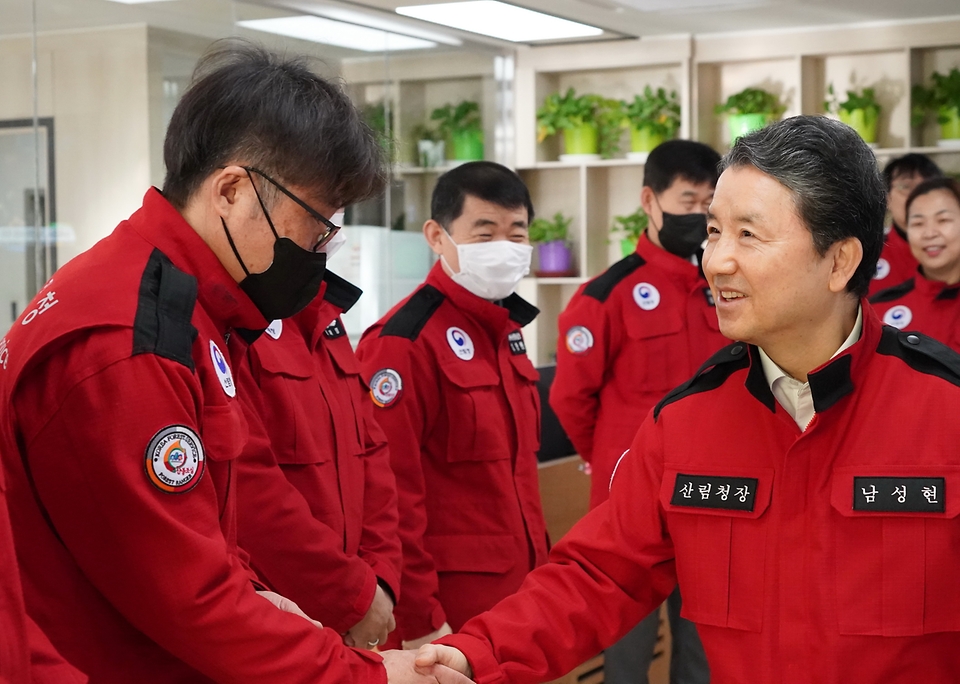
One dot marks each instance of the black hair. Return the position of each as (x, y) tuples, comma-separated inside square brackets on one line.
[(833, 177), (912, 164), (484, 180), (686, 159), (933, 184), (251, 106)]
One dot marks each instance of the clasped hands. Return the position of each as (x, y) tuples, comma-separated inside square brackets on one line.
[(432, 664)]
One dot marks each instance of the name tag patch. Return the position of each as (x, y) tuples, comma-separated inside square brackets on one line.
[(712, 491), (900, 494), (334, 330), (515, 340)]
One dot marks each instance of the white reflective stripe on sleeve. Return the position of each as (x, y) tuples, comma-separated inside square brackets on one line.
[(614, 473)]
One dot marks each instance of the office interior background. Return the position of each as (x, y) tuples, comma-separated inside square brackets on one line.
[(88, 87)]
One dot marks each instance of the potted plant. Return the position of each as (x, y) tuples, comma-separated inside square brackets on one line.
[(590, 123), (553, 250), (749, 110), (374, 115), (461, 125), (859, 111), (652, 118), (943, 99), (629, 228), (430, 146)]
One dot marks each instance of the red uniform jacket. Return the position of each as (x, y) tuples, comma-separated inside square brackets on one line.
[(627, 338), (825, 556), (26, 656), (317, 501), (928, 306), (462, 414), (119, 438), (896, 263)]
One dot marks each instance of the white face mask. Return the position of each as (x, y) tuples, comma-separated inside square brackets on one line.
[(491, 270), (338, 240)]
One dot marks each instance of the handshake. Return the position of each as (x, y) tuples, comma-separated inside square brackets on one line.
[(432, 664)]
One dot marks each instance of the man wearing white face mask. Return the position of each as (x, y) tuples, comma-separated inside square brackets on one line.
[(456, 395), (317, 501)]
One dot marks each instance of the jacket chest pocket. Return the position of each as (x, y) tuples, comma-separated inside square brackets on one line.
[(474, 405), (224, 432), (896, 570), (292, 399), (655, 352), (352, 392), (716, 521)]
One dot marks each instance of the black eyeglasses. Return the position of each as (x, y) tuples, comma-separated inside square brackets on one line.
[(331, 227)]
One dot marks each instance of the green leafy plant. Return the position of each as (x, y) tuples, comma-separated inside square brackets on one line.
[(655, 110), (865, 100), (375, 116), (460, 118), (943, 93), (424, 131), (752, 101), (569, 111), (632, 225), (550, 230)]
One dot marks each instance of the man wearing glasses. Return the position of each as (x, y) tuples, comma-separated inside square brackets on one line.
[(121, 417), (902, 175)]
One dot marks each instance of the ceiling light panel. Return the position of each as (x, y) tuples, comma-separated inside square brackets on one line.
[(500, 20), (379, 20), (688, 5), (338, 33)]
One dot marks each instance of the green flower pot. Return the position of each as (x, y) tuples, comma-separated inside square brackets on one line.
[(742, 124), (467, 145), (951, 129), (643, 139), (581, 140), (628, 245), (863, 121)]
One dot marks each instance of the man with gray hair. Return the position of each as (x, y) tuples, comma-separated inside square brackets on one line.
[(782, 485)]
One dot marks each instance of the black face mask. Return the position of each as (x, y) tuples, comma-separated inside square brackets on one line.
[(682, 234), (289, 283)]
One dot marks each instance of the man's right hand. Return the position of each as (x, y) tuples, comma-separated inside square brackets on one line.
[(414, 644), (438, 654), (403, 667)]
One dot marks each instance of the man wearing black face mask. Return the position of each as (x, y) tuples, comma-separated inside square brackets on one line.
[(121, 419), (626, 338)]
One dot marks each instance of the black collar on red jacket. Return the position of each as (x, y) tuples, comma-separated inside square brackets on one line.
[(340, 292)]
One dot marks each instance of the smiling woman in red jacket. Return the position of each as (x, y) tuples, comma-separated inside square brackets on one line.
[(929, 302)]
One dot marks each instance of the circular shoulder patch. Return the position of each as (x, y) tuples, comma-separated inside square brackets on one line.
[(174, 459), (274, 329), (883, 269), (579, 340), (224, 374), (899, 317), (646, 296), (460, 343), (385, 387)]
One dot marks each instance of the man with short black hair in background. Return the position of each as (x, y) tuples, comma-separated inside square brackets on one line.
[(456, 395), (626, 338)]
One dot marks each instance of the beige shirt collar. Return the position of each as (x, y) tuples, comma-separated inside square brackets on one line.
[(795, 396)]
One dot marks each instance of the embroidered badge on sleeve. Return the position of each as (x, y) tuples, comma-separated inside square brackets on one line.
[(174, 459)]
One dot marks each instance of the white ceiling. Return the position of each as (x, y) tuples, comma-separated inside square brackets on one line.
[(216, 18)]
